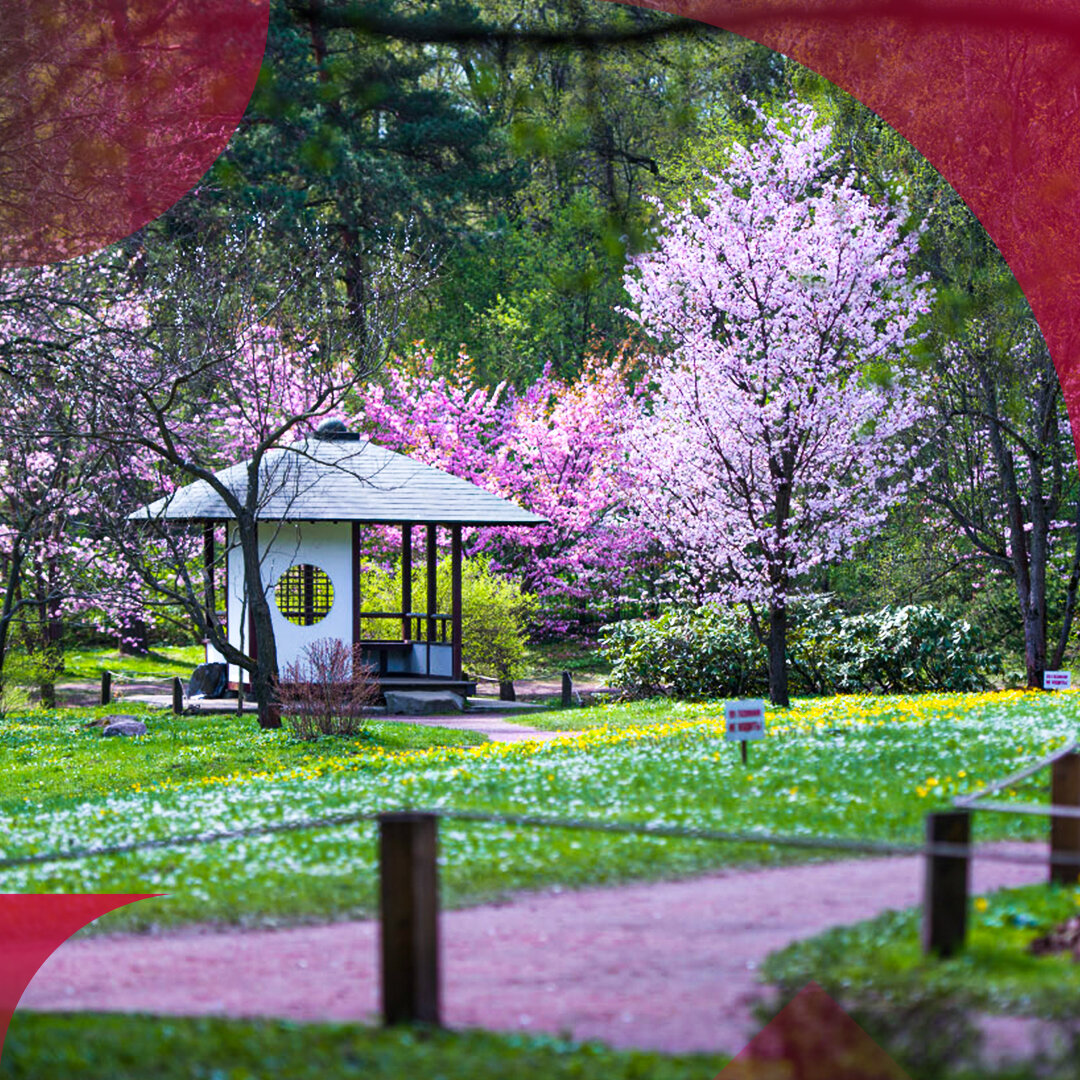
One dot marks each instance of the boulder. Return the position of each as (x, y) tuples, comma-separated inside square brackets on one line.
[(124, 725), (423, 702), (208, 681)]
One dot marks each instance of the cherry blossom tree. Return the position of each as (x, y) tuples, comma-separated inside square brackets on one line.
[(51, 475), (223, 359), (779, 300)]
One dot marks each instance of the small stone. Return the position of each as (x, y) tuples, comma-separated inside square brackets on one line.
[(423, 702), (124, 725)]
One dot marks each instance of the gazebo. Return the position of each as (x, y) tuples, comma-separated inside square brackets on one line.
[(315, 497)]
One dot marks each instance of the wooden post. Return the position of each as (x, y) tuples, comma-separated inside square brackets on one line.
[(406, 582), (356, 598), (945, 888), (1065, 832), (455, 597), (567, 690), (745, 752), (106, 688), (409, 917), (177, 696), (432, 587)]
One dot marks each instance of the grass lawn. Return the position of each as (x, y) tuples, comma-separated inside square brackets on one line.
[(855, 767), (55, 760), (161, 663), (881, 958), (106, 1047)]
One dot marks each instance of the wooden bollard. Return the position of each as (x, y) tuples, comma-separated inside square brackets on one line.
[(106, 688), (409, 917), (567, 690), (1065, 831), (945, 889), (177, 696)]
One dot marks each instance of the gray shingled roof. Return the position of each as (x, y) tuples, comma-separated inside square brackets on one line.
[(345, 479)]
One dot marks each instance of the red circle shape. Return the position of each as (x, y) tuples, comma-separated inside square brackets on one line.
[(111, 111)]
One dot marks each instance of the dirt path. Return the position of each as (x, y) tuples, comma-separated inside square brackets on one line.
[(668, 966)]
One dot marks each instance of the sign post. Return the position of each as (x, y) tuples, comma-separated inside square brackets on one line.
[(1057, 680), (745, 721)]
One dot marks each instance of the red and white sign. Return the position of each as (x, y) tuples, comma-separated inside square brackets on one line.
[(745, 720), (1057, 680)]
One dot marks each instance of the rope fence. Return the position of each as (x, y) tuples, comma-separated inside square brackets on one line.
[(841, 844), (408, 867)]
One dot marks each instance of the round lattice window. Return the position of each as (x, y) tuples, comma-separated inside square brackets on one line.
[(304, 594)]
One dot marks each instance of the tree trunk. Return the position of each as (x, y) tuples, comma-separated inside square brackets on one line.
[(778, 686), (1035, 640), (263, 648), (133, 638), (7, 611)]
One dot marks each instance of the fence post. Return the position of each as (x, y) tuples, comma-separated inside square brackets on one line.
[(1065, 832), (409, 917), (567, 690), (106, 688), (177, 696), (945, 888)]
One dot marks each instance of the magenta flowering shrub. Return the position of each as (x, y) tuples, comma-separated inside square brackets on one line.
[(555, 449)]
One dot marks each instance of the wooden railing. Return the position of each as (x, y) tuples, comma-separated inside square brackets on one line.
[(416, 626)]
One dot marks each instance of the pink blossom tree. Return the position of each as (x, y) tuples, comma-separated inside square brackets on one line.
[(562, 457), (554, 447), (778, 301)]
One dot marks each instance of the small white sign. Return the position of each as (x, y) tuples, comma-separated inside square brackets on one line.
[(745, 720), (1057, 680)]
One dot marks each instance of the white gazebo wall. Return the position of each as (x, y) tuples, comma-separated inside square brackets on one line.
[(325, 544)]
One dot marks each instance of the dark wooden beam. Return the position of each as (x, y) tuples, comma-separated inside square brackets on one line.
[(406, 582), (409, 917), (1065, 831), (432, 587), (356, 583), (945, 886), (455, 603)]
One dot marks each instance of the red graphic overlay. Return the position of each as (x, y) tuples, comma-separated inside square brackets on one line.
[(33, 926), (812, 1038), (988, 91), (111, 111)]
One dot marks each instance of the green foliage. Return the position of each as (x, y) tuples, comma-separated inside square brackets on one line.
[(876, 970), (712, 652), (495, 613), (708, 652), (110, 1047), (895, 650)]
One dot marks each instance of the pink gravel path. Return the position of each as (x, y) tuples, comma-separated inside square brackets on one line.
[(668, 966)]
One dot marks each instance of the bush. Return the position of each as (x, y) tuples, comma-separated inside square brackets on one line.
[(704, 652), (326, 691), (495, 613), (893, 650), (712, 652)]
